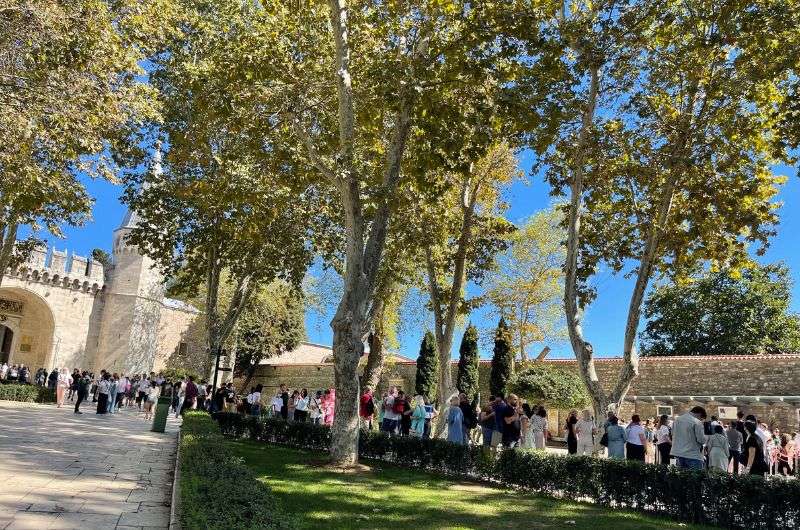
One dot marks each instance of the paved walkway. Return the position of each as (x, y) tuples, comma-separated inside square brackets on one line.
[(60, 470)]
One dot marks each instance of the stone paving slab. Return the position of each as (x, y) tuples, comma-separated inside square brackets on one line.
[(63, 471)]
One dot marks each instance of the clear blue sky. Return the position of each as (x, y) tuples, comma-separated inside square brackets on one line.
[(603, 322)]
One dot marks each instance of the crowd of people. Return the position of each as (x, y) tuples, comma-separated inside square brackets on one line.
[(693, 440)]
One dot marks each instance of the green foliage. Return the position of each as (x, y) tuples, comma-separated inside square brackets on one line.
[(546, 384), (726, 500), (73, 99), (209, 473), (26, 393), (427, 367), (527, 286), (175, 374), (272, 323), (101, 256), (502, 361), (468, 357), (723, 312)]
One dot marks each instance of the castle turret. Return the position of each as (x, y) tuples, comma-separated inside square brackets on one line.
[(129, 336)]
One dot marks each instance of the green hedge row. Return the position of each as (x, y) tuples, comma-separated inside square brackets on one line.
[(732, 501), (26, 393), (217, 490)]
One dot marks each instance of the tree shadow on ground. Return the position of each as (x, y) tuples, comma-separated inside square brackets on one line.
[(392, 497)]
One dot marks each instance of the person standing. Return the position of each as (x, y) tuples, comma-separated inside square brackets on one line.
[(102, 394), (151, 399), (366, 408), (455, 419), (52, 379), (664, 440), (255, 401), (487, 423), (756, 463), (190, 395), (635, 440), (572, 439), (113, 388), (735, 440), (82, 390), (63, 382), (539, 427), (688, 439), (301, 406), (285, 399), (418, 417), (390, 418), (430, 414), (511, 423), (584, 430), (314, 407), (142, 388), (615, 436), (405, 411), (718, 450)]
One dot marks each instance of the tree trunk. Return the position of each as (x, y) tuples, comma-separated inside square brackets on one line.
[(348, 347), (8, 238), (375, 361), (582, 349)]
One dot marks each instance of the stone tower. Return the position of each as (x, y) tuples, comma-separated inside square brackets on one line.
[(131, 317)]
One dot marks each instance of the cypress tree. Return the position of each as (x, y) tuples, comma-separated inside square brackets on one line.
[(467, 378), (427, 367), (502, 361)]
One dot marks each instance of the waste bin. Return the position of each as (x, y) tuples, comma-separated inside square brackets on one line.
[(161, 413)]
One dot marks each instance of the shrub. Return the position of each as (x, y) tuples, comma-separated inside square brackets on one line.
[(427, 367), (502, 361), (217, 490), (549, 385), (732, 501), (27, 393), (468, 357)]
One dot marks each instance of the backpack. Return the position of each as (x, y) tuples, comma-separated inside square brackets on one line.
[(398, 406)]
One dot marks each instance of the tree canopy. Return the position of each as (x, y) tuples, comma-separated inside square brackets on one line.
[(73, 102), (527, 285), (545, 384), (724, 312)]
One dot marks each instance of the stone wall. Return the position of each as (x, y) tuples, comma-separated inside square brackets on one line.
[(722, 377)]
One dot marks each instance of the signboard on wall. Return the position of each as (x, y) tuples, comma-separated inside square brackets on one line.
[(727, 413)]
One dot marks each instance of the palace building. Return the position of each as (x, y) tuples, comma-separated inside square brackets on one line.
[(63, 310)]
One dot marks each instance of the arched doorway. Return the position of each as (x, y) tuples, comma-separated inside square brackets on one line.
[(6, 338), (28, 328)]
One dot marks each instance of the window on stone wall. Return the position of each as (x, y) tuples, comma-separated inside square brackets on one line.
[(664, 409), (183, 348)]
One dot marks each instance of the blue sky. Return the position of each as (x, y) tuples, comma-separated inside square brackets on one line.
[(603, 322)]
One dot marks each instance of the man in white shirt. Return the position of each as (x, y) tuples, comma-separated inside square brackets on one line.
[(143, 388), (585, 430)]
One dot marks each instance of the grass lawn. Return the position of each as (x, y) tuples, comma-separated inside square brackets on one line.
[(394, 498)]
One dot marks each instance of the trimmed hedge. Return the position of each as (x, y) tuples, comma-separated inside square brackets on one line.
[(733, 501), (217, 490), (26, 393)]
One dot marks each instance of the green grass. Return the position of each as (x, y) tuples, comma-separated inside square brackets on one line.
[(393, 498)]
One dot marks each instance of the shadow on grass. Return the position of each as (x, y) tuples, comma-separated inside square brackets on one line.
[(392, 497)]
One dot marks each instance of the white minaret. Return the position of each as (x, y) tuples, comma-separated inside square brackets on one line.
[(132, 312)]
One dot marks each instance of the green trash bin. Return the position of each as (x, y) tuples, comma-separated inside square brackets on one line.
[(161, 413)]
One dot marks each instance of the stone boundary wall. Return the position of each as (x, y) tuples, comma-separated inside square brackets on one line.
[(751, 375)]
